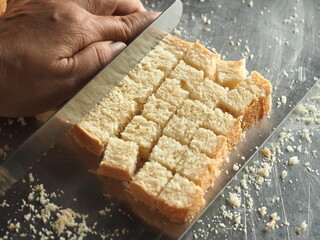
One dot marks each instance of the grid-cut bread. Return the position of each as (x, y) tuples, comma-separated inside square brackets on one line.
[(222, 123), (214, 146), (199, 168), (202, 59), (144, 132), (168, 152), (208, 92), (193, 111), (119, 159), (181, 129), (180, 199), (230, 73), (149, 181), (104, 121), (189, 76), (170, 90), (182, 110), (158, 111)]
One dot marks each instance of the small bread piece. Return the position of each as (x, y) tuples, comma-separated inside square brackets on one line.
[(189, 76), (202, 59), (175, 45), (193, 111), (261, 88), (225, 124), (158, 111), (94, 131), (209, 93), (148, 182), (159, 58), (168, 152), (230, 73), (134, 91), (119, 160), (146, 78), (170, 90), (199, 168), (214, 146), (241, 102), (105, 120), (145, 133), (180, 199), (180, 129)]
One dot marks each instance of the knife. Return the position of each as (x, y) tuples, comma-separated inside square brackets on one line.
[(37, 145)]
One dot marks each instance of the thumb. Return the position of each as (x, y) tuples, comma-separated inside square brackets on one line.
[(93, 58), (123, 28)]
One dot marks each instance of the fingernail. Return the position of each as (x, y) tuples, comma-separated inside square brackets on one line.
[(117, 47), (156, 14)]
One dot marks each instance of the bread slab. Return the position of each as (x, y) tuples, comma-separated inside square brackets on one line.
[(182, 110)]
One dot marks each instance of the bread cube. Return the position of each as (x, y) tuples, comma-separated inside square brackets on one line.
[(134, 91), (209, 93), (222, 123), (146, 78), (214, 146), (241, 102), (105, 120), (230, 73), (261, 88), (199, 168), (159, 58), (180, 199), (180, 129), (94, 131), (119, 160), (149, 182), (168, 152), (170, 91), (193, 111), (145, 133), (175, 45), (158, 111), (189, 76), (202, 59)]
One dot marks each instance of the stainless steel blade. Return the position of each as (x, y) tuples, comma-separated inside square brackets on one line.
[(58, 125)]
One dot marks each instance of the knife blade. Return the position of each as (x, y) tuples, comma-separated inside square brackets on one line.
[(37, 145)]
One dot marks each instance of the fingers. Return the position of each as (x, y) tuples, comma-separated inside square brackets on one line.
[(93, 58), (111, 7), (122, 28)]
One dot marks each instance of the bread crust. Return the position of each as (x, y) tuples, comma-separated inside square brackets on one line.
[(86, 140)]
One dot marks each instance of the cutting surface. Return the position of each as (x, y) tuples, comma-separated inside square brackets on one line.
[(282, 41)]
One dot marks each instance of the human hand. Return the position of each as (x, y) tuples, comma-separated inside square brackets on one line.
[(50, 48)]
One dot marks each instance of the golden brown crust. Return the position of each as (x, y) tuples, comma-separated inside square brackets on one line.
[(234, 135), (142, 194), (181, 215), (114, 172), (86, 140)]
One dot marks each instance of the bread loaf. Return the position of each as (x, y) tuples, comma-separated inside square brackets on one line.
[(182, 110)]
